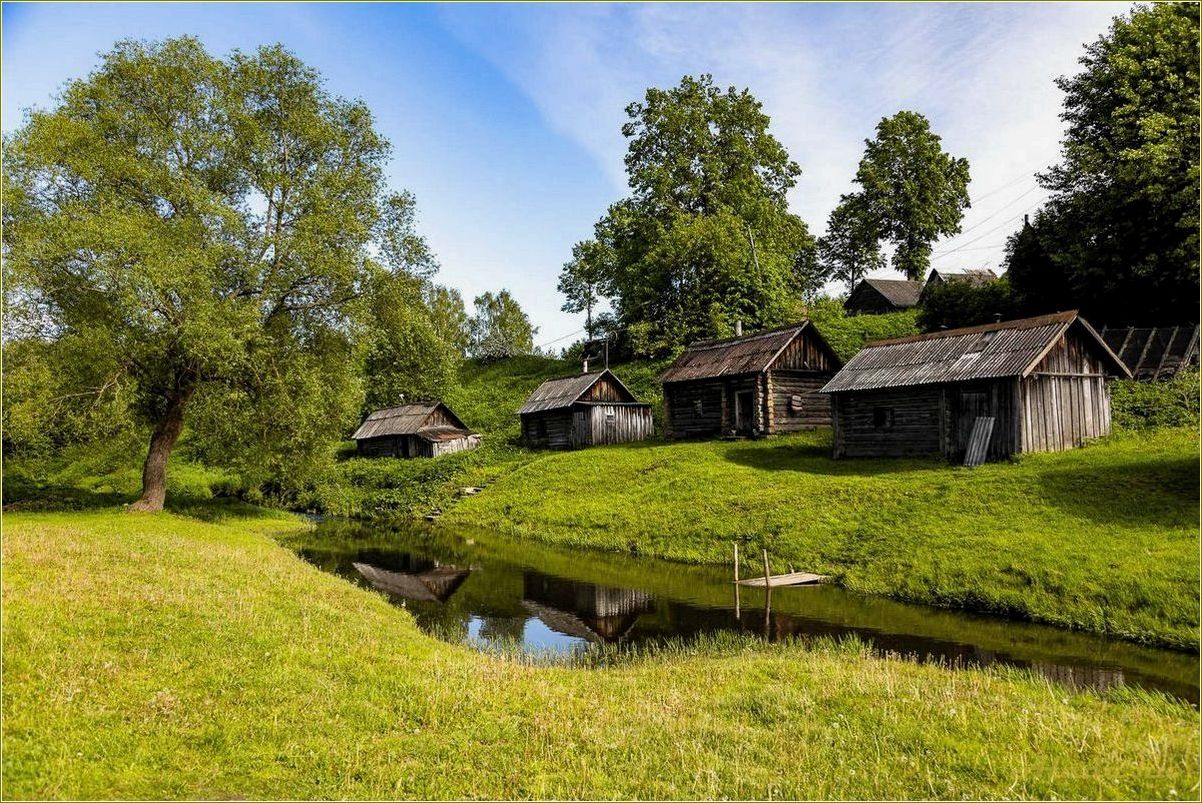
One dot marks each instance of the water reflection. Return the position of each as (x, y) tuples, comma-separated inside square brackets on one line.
[(491, 591)]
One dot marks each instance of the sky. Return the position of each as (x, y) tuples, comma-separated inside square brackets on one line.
[(506, 119)]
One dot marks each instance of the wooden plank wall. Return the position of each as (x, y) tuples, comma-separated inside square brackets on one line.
[(1066, 399), (959, 418), (604, 390), (557, 425), (616, 423), (680, 407), (814, 410), (916, 428), (451, 447)]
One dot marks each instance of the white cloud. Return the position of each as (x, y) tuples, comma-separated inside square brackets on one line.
[(983, 74)]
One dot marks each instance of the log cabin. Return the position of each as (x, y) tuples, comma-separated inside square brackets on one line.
[(587, 409), (422, 429), (765, 383), (1040, 384)]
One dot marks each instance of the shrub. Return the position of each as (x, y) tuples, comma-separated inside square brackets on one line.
[(1151, 405)]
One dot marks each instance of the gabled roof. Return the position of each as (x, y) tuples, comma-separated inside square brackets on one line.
[(1007, 348), (749, 354), (556, 394), (1154, 352), (901, 293), (406, 419), (432, 585), (974, 276)]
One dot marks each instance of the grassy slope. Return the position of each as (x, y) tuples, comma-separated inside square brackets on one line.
[(165, 657), (1102, 538)]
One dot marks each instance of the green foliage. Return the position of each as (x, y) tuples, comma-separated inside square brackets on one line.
[(197, 239), (583, 280), (1154, 405), (196, 660), (912, 192), (851, 247), (955, 303), (1121, 227), (847, 334), (1017, 539), (500, 328), (706, 237)]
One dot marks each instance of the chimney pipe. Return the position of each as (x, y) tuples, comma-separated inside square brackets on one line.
[(997, 317), (739, 328), (586, 365)]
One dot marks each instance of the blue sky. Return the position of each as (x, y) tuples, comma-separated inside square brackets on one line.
[(505, 119)]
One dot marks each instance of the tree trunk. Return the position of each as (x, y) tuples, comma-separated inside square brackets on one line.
[(162, 441)]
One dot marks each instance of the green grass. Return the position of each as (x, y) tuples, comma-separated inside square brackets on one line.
[(1103, 538), (162, 656)]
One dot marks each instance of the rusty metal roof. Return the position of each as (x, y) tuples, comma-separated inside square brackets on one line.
[(556, 394), (749, 354), (991, 351), (405, 419)]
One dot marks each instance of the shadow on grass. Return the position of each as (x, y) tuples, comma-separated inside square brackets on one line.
[(26, 498), (1160, 491), (815, 458)]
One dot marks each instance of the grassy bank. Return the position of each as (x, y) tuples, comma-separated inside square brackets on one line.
[(162, 656), (1102, 538)]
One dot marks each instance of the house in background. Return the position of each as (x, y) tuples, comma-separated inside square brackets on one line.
[(973, 276), (584, 410), (1153, 353), (1040, 384), (766, 383), (422, 429), (876, 296)]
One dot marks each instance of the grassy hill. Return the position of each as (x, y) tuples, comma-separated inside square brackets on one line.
[(159, 656)]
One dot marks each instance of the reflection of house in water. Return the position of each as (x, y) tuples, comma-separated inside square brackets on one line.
[(590, 612), (419, 580)]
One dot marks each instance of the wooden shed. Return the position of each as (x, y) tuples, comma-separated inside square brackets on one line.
[(766, 383), (875, 296), (1154, 352), (423, 429), (584, 410), (1036, 385)]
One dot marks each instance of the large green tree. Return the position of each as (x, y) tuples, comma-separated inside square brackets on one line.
[(706, 236), (851, 247), (583, 280), (201, 234), (911, 191), (1121, 226), (500, 328)]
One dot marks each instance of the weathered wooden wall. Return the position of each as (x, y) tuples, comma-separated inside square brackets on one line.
[(916, 428), (464, 444), (597, 424), (414, 446), (1065, 401), (603, 389), (550, 429), (812, 409), (694, 409)]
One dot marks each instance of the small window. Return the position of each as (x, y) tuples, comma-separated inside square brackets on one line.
[(609, 416), (697, 410), (882, 417), (981, 342)]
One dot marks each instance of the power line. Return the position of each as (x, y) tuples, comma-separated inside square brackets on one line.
[(983, 236)]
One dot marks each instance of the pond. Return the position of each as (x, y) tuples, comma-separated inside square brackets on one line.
[(484, 590)]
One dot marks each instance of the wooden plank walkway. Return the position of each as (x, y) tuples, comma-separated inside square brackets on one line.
[(790, 579)]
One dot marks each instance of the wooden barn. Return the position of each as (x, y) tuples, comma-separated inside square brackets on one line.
[(761, 384), (1031, 385), (423, 429), (1156, 352), (876, 296), (584, 410)]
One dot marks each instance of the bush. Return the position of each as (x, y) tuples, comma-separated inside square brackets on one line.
[(1152, 405)]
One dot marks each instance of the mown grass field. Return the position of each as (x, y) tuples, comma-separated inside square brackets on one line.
[(165, 656), (1103, 538)]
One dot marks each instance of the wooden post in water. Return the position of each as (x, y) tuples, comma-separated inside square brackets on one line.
[(738, 605), (767, 594)]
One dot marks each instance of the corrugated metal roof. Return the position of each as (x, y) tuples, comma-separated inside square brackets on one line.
[(749, 354), (405, 419), (1008, 348), (555, 394)]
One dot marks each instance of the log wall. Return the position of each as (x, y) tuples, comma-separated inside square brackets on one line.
[(914, 427)]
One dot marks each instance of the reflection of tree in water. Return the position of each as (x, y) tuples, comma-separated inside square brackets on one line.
[(502, 628)]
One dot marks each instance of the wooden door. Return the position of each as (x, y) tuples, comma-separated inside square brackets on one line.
[(581, 427), (744, 412)]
